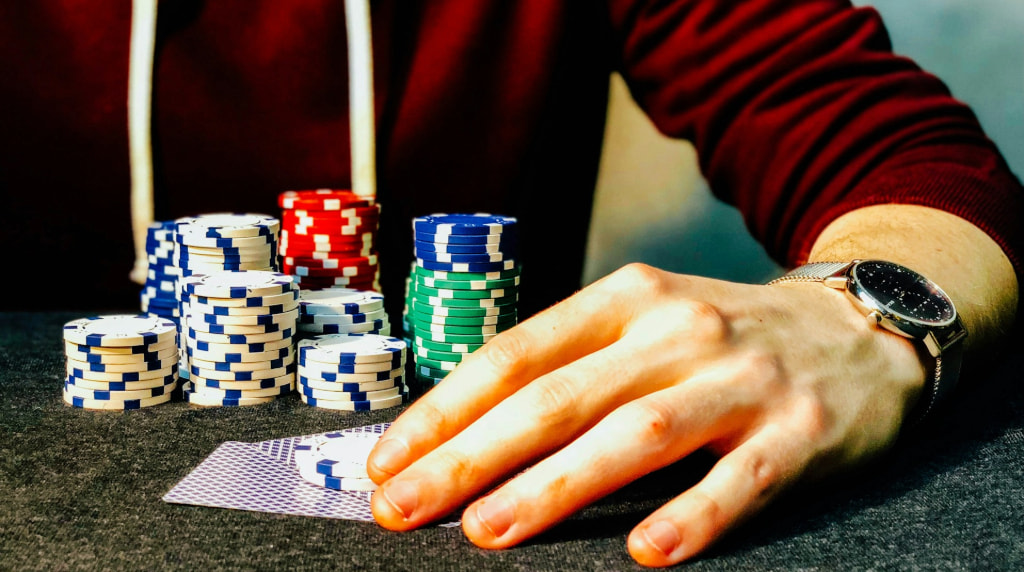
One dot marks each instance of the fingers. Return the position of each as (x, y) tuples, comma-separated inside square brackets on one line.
[(739, 485), (560, 335), (540, 418), (637, 438)]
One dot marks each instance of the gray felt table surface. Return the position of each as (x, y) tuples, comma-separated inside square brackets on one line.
[(81, 490)]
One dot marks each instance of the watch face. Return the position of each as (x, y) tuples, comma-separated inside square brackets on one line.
[(903, 292)]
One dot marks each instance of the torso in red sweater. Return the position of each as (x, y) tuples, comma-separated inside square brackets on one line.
[(797, 108)]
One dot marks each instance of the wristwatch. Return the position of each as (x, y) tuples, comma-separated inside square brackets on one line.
[(905, 303)]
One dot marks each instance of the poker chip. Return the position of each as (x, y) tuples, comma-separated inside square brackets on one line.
[(157, 297), (239, 341), (342, 367), (228, 225), (371, 405), (322, 200), (471, 224), (120, 330), (377, 327), (84, 403), (120, 361), (462, 289), (337, 483), (336, 454), (328, 239)]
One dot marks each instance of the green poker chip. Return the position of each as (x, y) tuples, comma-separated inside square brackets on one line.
[(445, 346), (454, 357), (464, 294), (452, 338), (419, 326), (461, 321), (424, 308), (435, 364), (466, 276), (468, 284), (427, 380), (463, 303)]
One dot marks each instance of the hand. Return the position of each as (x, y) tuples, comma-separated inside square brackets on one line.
[(631, 374)]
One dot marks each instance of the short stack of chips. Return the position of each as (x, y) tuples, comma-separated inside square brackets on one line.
[(342, 311), (463, 288), (239, 339), (224, 241), (159, 294), (337, 460), (352, 372), (328, 239), (120, 361)]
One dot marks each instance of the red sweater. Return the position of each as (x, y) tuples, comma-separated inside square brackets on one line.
[(798, 109)]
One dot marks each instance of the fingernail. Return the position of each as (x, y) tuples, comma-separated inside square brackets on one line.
[(662, 536), (497, 514), (390, 456), (403, 496)]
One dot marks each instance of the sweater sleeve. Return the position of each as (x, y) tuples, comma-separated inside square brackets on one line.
[(800, 112)]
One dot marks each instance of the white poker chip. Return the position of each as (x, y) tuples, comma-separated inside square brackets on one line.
[(338, 483), (228, 225), (201, 382), (137, 367), (350, 387), (120, 330), (336, 454), (72, 352), (351, 348), (245, 284), (237, 339), (121, 385), (339, 301), (220, 393), (204, 400), (370, 405), (351, 395), (376, 328), (115, 395), (241, 366), (130, 376), (84, 403), (358, 318)]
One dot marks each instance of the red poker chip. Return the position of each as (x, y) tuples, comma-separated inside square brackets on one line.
[(322, 200), (372, 211), (327, 226), (320, 272), (328, 217), (328, 232), (308, 283), (295, 252), (331, 262), (365, 238)]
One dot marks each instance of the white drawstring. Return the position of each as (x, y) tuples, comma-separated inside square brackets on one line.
[(140, 101), (140, 107), (360, 98)]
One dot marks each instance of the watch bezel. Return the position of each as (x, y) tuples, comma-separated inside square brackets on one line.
[(911, 325)]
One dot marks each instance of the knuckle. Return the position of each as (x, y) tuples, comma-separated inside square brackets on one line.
[(760, 370), (457, 464), (556, 397), (652, 421), (505, 352), (638, 278), (763, 475), (704, 321)]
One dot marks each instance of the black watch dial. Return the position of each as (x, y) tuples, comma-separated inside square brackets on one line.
[(903, 292)]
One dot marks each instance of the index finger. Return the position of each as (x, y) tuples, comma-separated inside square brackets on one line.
[(545, 342)]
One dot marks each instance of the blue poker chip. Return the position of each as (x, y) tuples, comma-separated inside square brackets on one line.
[(466, 266), (472, 258), (373, 367), (508, 237), (472, 224), (486, 248)]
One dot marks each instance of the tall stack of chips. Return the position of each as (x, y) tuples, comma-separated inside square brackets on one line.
[(239, 339), (463, 288), (120, 361), (223, 241), (342, 311), (159, 294), (352, 372), (328, 239), (337, 460)]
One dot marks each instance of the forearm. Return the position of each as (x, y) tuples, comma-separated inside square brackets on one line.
[(955, 254)]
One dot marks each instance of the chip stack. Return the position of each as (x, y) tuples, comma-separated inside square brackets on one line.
[(342, 311), (120, 361), (159, 294), (352, 372), (239, 339), (328, 239), (337, 460), (223, 241), (464, 288)]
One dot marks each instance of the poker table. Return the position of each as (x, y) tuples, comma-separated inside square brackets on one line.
[(82, 490)]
